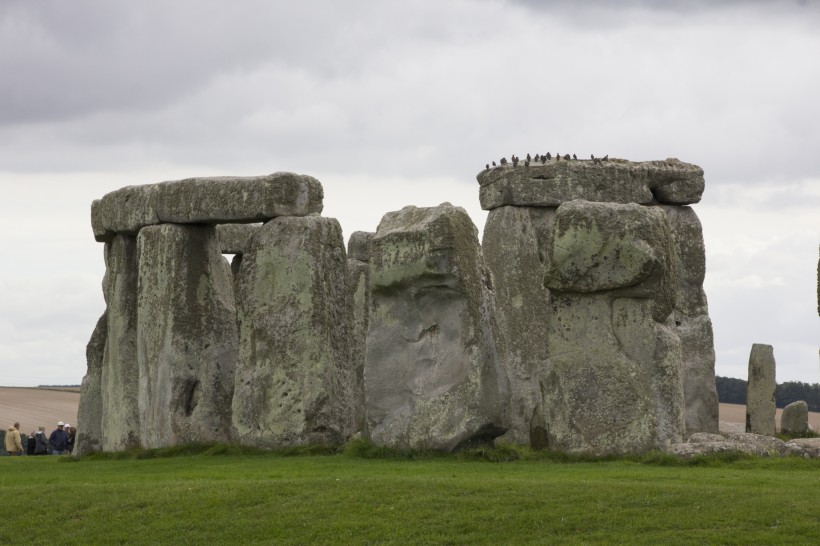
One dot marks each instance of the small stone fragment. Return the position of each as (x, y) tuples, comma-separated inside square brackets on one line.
[(795, 418)]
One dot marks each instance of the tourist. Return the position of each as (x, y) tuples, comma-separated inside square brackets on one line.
[(57, 440), (71, 435), (42, 444), (31, 443), (13, 444)]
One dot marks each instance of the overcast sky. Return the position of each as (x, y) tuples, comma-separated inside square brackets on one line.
[(398, 103)]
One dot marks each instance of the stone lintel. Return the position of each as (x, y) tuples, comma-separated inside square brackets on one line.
[(554, 182), (207, 200)]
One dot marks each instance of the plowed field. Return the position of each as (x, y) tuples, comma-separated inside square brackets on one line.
[(33, 407)]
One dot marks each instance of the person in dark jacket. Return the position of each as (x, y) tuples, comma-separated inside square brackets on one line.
[(41, 447), (71, 435), (57, 441), (31, 443)]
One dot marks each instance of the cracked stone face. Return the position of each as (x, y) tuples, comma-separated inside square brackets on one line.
[(431, 373)]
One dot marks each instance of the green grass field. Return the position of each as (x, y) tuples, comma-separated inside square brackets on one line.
[(342, 499)]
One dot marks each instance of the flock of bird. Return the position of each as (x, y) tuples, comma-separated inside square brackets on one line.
[(543, 159)]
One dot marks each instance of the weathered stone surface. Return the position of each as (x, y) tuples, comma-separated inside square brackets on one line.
[(774, 446), (514, 253), (700, 393), (294, 376), (760, 402), (795, 418), (704, 443), (432, 375), (691, 316), (625, 250), (89, 413), (119, 379), (234, 238), (805, 447), (615, 181), (613, 380), (700, 437), (359, 245), (214, 200), (187, 340), (358, 294), (688, 450)]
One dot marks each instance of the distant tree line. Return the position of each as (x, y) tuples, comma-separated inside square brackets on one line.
[(733, 391)]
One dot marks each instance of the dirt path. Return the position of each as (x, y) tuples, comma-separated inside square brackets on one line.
[(33, 407)]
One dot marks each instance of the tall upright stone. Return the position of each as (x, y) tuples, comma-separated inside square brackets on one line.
[(119, 379), (522, 204), (613, 381), (760, 390), (692, 322), (358, 294), (187, 336), (513, 247), (89, 413), (432, 375), (293, 378)]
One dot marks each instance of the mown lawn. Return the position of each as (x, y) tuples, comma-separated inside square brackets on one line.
[(339, 499)]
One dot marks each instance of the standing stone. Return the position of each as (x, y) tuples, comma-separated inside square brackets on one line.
[(613, 381), (119, 380), (692, 322), (432, 375), (514, 253), (795, 418), (187, 336), (358, 294), (760, 402), (89, 413), (293, 378)]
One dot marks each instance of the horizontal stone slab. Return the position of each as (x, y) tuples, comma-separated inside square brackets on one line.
[(614, 181), (207, 200)]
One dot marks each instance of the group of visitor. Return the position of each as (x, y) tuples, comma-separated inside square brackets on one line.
[(59, 442)]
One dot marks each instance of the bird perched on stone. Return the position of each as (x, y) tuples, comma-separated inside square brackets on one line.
[(515, 161), (487, 167), (503, 160), (557, 157), (592, 157), (493, 163), (526, 162), (574, 156), (549, 155), (606, 158), (529, 158), (566, 156)]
